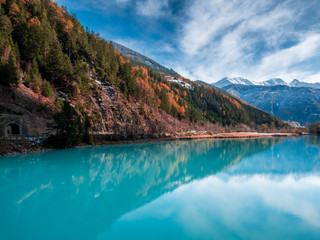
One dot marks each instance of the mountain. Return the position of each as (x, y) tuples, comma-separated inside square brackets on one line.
[(137, 59), (295, 101), (271, 82), (55, 71), (202, 83), (297, 83), (229, 81), (300, 104), (242, 81)]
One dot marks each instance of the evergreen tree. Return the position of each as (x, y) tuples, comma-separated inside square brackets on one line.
[(47, 89), (68, 126), (165, 104), (8, 71)]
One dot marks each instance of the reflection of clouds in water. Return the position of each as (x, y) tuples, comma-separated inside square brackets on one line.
[(297, 196), (34, 191), (236, 203), (300, 197)]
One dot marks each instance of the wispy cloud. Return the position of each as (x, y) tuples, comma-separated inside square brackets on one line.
[(152, 8), (287, 57), (122, 2), (211, 20), (254, 39)]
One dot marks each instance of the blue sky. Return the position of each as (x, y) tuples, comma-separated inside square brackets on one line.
[(211, 39)]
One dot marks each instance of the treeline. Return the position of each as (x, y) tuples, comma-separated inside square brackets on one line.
[(48, 50)]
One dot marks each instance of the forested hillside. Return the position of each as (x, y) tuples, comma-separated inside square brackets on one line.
[(46, 50)]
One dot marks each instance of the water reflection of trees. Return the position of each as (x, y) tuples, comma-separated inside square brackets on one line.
[(99, 185), (313, 140)]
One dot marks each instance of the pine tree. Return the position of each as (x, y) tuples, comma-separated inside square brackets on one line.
[(47, 89), (68, 126), (9, 72), (165, 104)]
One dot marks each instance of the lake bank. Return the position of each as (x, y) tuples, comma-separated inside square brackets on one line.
[(241, 135), (11, 147)]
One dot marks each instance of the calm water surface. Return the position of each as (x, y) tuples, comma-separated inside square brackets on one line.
[(208, 189)]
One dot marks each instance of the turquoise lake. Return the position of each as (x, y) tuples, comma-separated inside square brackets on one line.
[(201, 189)]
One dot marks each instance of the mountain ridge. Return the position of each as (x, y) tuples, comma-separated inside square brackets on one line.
[(224, 82), (137, 58)]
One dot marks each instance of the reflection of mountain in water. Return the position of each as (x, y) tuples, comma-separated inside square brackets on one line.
[(295, 155), (104, 183)]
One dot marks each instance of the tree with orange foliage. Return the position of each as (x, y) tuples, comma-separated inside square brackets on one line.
[(69, 26), (14, 10), (182, 111), (185, 93), (34, 21)]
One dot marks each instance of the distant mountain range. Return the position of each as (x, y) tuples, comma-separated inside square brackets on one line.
[(300, 104), (295, 101), (271, 82), (139, 58)]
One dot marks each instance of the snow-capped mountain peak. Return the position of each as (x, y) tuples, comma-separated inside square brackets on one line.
[(229, 81), (294, 82), (274, 82), (271, 82)]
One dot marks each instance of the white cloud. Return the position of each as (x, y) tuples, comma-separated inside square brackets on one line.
[(313, 78), (152, 8), (210, 19), (285, 58), (122, 2)]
